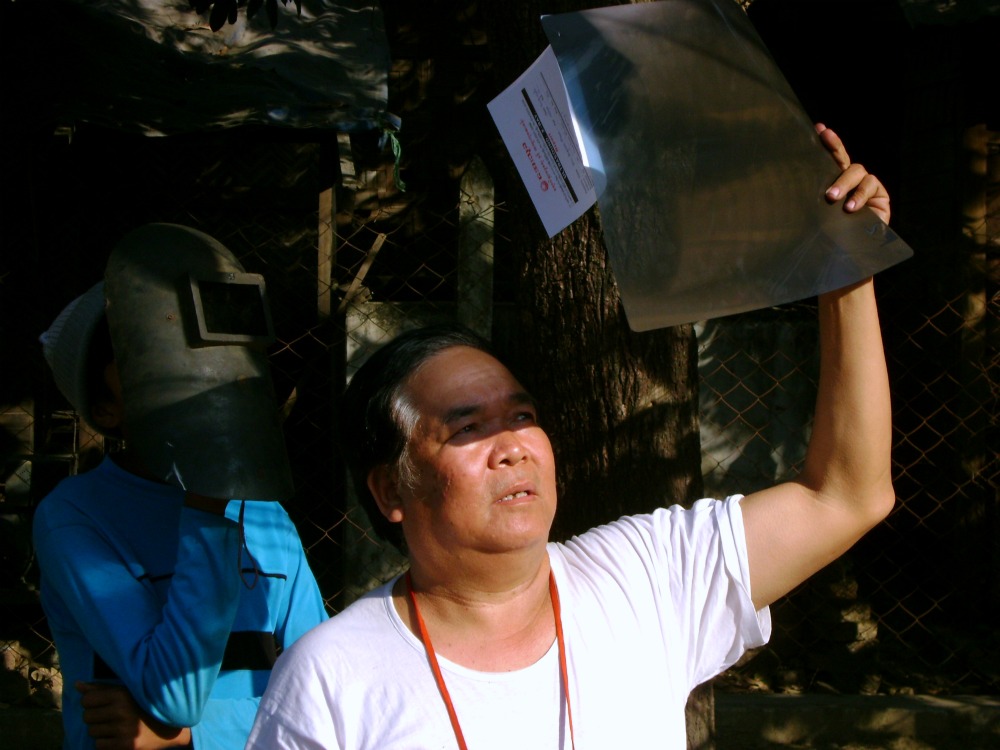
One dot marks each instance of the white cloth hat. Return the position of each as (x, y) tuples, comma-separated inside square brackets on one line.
[(67, 343)]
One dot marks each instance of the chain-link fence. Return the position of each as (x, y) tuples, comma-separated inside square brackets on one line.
[(350, 258), (908, 609)]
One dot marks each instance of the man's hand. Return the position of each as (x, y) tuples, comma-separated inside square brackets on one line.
[(116, 722), (854, 182)]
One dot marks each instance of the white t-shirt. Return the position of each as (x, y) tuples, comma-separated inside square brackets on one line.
[(652, 606)]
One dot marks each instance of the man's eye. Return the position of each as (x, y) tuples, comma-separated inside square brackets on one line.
[(466, 429), (526, 416)]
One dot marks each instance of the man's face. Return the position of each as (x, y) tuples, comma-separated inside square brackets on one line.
[(483, 470), (108, 408)]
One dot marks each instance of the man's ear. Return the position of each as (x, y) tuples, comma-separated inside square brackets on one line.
[(383, 484)]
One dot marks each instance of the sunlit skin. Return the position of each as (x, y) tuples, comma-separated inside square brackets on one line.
[(477, 514), (845, 487), (484, 474)]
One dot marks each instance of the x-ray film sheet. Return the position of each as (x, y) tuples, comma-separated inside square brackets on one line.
[(710, 177)]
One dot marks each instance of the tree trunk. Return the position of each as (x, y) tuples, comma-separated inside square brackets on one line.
[(620, 407)]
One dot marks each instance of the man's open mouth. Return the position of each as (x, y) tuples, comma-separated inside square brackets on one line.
[(514, 496)]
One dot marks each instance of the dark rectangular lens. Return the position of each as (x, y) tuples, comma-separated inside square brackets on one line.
[(233, 309)]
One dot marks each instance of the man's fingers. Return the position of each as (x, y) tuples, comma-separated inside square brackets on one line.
[(101, 729), (96, 699), (871, 193), (88, 688), (858, 188), (96, 694), (868, 188), (111, 736), (852, 176), (834, 145), (105, 715)]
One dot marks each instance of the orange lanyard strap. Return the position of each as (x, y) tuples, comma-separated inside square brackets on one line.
[(436, 669), (563, 671), (432, 657)]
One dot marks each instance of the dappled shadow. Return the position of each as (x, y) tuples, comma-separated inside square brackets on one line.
[(159, 69)]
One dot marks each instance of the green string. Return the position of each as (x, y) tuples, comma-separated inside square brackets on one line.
[(397, 151)]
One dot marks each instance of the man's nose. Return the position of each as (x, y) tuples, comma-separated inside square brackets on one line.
[(508, 450)]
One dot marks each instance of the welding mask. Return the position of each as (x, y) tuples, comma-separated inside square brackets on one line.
[(189, 328)]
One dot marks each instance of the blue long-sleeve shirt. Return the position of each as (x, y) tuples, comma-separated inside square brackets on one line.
[(140, 590)]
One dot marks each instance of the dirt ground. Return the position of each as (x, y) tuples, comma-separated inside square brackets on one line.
[(838, 722)]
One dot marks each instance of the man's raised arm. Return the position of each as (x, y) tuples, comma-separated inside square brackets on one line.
[(845, 487)]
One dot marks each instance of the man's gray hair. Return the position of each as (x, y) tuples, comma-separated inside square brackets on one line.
[(377, 419)]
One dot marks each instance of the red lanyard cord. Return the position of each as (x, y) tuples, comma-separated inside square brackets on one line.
[(563, 671), (436, 669)]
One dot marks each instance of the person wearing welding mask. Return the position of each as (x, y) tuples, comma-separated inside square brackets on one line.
[(171, 576)]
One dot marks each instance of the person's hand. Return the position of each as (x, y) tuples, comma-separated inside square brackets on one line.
[(116, 722), (854, 183)]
